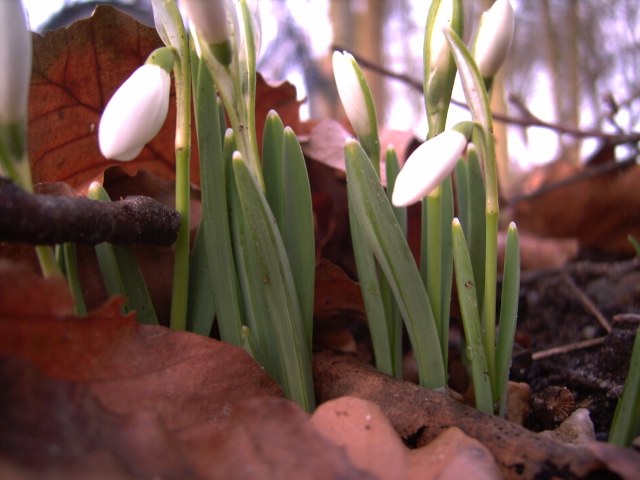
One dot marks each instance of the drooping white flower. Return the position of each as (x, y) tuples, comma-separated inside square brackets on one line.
[(15, 62), (349, 81), (494, 38), (427, 167), (210, 20), (135, 113)]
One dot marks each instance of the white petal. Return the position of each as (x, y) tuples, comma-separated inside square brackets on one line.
[(15, 62), (210, 19), (427, 167), (350, 91), (494, 38), (135, 113)]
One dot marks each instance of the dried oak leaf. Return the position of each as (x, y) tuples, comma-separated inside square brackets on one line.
[(598, 210), (77, 69), (185, 379)]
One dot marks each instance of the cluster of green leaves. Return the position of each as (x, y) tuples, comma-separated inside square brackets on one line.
[(392, 284), (252, 268)]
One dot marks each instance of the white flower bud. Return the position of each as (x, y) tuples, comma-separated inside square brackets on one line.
[(427, 167), (494, 38), (350, 89), (209, 17), (135, 113), (15, 62)]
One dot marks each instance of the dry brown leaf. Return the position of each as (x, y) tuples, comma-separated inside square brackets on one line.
[(273, 438), (76, 70), (600, 211)]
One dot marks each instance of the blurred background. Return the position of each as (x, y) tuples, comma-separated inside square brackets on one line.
[(570, 89)]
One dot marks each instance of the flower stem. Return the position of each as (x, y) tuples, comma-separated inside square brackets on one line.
[(179, 303)]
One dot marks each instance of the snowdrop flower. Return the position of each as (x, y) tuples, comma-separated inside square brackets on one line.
[(15, 62), (428, 166), (209, 17), (351, 88), (138, 109), (494, 38)]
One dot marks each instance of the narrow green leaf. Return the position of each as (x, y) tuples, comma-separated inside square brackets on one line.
[(254, 303), (273, 165), (201, 308), (446, 274), (215, 217), (626, 420), (392, 167), (279, 289), (384, 236), (251, 344), (121, 273), (372, 296), (462, 194), (431, 255), (476, 223), (471, 320), (297, 227), (70, 270), (508, 315)]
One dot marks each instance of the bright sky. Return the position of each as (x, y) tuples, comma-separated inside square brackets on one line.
[(40, 10)]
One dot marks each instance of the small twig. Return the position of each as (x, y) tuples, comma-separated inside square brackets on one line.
[(48, 219), (586, 301), (572, 347)]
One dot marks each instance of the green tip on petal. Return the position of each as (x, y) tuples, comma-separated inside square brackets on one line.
[(222, 52), (162, 57), (465, 128)]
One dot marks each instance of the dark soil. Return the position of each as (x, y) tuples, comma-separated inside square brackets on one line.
[(559, 309)]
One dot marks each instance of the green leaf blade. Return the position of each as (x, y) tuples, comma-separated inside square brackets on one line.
[(385, 238)]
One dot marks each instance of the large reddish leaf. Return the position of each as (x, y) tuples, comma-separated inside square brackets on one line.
[(76, 70), (181, 377), (103, 397)]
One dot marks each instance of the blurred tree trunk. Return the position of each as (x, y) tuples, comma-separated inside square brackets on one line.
[(562, 52), (358, 26)]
